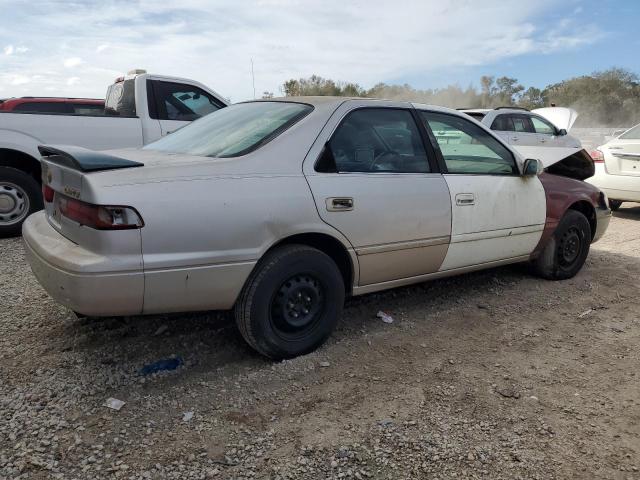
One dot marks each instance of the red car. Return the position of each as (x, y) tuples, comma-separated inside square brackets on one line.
[(53, 105)]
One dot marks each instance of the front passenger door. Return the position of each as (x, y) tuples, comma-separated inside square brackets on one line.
[(497, 214)]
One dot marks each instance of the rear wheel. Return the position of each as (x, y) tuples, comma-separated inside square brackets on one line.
[(567, 249), (291, 302), (20, 196), (614, 204)]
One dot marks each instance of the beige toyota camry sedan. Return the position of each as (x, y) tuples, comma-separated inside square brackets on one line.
[(278, 209)]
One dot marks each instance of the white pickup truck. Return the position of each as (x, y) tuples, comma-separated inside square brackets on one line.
[(139, 109)]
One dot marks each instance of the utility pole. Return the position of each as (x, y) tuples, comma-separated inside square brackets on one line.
[(253, 80)]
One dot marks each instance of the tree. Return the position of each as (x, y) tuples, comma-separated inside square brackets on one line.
[(608, 98), (316, 85), (532, 98)]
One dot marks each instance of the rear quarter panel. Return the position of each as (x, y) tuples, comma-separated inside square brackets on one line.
[(202, 237)]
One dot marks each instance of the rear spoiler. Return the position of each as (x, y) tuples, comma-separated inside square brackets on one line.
[(83, 159)]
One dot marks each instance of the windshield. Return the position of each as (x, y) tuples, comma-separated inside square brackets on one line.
[(233, 131), (633, 134)]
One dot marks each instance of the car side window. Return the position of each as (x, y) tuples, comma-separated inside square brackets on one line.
[(375, 140), (522, 123), (177, 101), (502, 123), (542, 126), (467, 148)]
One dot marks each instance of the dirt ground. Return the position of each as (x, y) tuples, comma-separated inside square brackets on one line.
[(495, 374)]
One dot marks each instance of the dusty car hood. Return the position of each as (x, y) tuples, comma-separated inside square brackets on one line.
[(568, 162), (561, 117)]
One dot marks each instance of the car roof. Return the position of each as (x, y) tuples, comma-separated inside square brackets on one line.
[(328, 101)]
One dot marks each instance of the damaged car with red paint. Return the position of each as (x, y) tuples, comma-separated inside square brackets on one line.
[(279, 209)]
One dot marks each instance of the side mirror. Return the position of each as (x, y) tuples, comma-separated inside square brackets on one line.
[(562, 132), (532, 167)]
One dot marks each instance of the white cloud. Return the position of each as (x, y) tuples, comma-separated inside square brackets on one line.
[(16, 80), (21, 49), (8, 50), (72, 81), (213, 41), (72, 62)]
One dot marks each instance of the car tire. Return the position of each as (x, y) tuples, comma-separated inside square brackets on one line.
[(614, 205), (20, 196), (566, 250), (291, 302)]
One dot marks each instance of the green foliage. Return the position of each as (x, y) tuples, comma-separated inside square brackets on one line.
[(608, 98), (316, 85)]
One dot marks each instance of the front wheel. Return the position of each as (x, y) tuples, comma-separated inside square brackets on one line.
[(567, 249), (614, 205), (291, 302), (20, 196)]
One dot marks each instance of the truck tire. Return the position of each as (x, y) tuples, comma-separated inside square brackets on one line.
[(291, 302), (20, 196), (566, 250)]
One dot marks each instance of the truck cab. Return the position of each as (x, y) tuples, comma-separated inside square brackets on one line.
[(139, 108)]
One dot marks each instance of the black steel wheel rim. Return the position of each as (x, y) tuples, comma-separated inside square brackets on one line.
[(297, 306), (570, 246)]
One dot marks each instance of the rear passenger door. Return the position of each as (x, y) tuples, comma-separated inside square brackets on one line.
[(177, 104), (373, 180), (497, 214)]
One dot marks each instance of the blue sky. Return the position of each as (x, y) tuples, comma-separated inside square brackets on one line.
[(77, 47), (615, 43)]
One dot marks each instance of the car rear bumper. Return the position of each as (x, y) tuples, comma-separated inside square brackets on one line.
[(96, 285), (85, 282), (603, 217), (617, 187)]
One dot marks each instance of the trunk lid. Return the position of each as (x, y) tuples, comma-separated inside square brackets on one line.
[(622, 157)]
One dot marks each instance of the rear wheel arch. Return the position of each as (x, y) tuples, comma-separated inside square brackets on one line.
[(588, 211), (327, 244), (21, 161)]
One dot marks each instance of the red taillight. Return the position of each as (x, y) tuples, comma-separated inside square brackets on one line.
[(100, 217), (47, 193), (597, 156)]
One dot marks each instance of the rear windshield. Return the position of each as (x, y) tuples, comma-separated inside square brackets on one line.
[(633, 134), (233, 131)]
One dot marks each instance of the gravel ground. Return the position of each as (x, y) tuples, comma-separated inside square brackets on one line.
[(495, 374)]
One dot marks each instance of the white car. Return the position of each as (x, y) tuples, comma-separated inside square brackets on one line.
[(618, 168), (528, 131), (139, 109), (280, 208)]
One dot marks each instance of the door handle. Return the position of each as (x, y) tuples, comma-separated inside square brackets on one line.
[(543, 140), (464, 199), (339, 204), (515, 139)]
